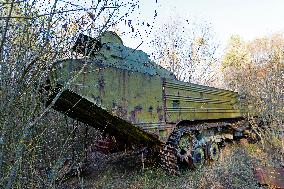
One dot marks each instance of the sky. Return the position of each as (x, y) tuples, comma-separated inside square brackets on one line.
[(248, 18)]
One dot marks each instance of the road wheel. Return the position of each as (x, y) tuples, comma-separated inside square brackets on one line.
[(213, 151), (185, 147), (198, 157)]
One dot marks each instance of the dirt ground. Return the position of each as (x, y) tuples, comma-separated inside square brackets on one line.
[(234, 169)]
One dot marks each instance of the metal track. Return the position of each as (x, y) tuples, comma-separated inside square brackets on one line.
[(169, 154)]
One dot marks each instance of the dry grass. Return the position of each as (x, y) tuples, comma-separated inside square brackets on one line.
[(233, 170)]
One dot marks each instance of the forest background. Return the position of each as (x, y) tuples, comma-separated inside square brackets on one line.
[(36, 141)]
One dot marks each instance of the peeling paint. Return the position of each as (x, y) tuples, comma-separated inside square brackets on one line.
[(131, 87)]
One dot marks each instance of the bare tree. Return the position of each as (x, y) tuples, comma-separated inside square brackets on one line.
[(186, 48), (34, 35), (255, 69)]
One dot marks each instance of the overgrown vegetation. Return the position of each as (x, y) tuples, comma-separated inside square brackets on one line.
[(36, 143), (255, 69), (187, 48), (234, 169)]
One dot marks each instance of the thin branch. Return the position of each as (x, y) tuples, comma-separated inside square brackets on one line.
[(6, 29), (15, 2), (53, 13)]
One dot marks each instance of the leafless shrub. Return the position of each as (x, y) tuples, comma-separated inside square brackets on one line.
[(255, 69), (34, 141), (187, 48)]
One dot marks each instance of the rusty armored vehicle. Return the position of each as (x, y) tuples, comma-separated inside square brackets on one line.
[(123, 93)]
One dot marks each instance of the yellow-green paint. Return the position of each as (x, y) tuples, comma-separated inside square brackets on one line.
[(128, 85), (186, 101)]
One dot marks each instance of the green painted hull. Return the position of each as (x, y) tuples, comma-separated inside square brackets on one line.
[(152, 103), (138, 93)]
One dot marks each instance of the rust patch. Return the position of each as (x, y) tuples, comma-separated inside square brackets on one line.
[(150, 110), (138, 108), (160, 113), (134, 113), (273, 177), (164, 98), (124, 83), (119, 111), (105, 145), (101, 84)]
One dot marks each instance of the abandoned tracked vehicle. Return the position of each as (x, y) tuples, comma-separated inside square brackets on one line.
[(123, 93)]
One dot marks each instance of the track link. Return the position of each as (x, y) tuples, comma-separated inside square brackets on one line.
[(169, 155)]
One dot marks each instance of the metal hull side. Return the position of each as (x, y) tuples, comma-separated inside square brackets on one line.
[(134, 97), (152, 103), (186, 101)]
